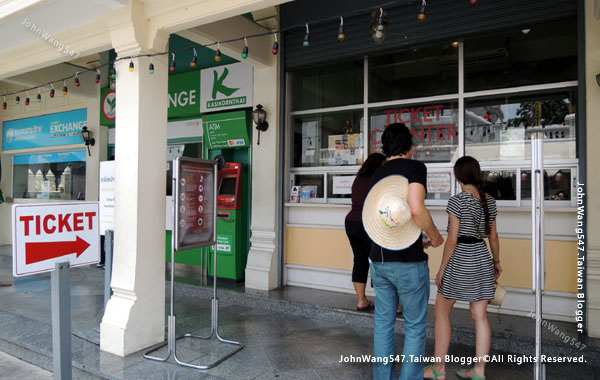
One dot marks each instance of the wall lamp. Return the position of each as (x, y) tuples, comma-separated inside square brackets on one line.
[(86, 135), (259, 115)]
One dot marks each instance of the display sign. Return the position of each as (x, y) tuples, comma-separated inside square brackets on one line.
[(226, 130), (224, 243), (184, 94), (342, 184), (226, 87), (45, 234), (439, 182), (195, 202), (55, 129), (106, 196)]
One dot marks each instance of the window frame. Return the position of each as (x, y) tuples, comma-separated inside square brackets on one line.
[(460, 98)]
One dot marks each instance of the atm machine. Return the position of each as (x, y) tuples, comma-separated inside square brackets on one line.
[(231, 223)]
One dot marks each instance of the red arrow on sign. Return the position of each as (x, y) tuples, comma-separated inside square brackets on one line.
[(36, 252)]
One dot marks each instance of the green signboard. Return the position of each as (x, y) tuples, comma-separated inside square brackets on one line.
[(184, 94), (226, 130), (184, 98)]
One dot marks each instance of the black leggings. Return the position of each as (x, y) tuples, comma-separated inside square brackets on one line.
[(361, 245)]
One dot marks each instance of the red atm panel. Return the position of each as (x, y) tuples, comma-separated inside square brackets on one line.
[(230, 187)]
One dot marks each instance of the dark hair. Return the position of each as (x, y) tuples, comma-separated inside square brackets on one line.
[(396, 140), (467, 171), (372, 163)]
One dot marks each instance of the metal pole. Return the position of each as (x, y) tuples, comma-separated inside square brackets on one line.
[(61, 321), (537, 211)]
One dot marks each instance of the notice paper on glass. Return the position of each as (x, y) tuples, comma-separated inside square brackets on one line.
[(343, 184), (195, 202)]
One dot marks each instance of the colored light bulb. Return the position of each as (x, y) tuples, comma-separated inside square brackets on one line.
[(306, 41), (473, 2), (52, 92), (39, 97), (97, 76), (4, 105), (65, 90), (151, 68), (77, 84), (422, 14), (18, 99), (172, 67), (27, 101), (194, 62), (218, 55), (341, 35), (245, 52), (275, 48), (131, 67)]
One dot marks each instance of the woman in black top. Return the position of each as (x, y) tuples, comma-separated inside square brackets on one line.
[(359, 240)]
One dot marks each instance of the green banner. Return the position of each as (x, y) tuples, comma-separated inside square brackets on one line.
[(184, 98), (184, 94), (226, 130)]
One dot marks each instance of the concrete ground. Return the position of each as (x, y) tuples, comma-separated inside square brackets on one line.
[(283, 337), (12, 368)]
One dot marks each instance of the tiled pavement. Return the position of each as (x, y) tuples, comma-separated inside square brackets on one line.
[(284, 339)]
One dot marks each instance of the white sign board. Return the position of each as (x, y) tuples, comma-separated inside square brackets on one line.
[(226, 87), (106, 196), (439, 182), (343, 184), (49, 233)]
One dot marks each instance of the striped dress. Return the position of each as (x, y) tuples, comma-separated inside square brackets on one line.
[(469, 275)]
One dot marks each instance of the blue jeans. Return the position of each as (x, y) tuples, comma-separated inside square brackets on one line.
[(410, 283)]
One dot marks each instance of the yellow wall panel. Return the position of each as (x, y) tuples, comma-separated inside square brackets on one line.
[(330, 249)]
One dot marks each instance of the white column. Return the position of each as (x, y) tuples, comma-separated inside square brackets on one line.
[(135, 315), (261, 269)]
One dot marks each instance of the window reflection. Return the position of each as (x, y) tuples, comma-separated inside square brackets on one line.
[(501, 128), (434, 128), (500, 184), (557, 185)]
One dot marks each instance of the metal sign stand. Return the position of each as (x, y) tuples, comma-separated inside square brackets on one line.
[(539, 248), (214, 320), (61, 321)]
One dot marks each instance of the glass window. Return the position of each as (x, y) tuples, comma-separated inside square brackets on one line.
[(434, 128), (57, 175), (538, 54), (414, 73), (557, 184), (327, 139), (335, 85), (312, 186), (500, 184), (500, 128)]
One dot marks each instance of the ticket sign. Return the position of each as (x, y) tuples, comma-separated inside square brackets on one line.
[(195, 202), (45, 234)]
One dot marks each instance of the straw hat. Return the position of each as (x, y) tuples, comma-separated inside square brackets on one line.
[(499, 295), (386, 214)]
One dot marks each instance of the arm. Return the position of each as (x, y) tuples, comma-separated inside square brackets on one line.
[(451, 242), (416, 200), (495, 246)]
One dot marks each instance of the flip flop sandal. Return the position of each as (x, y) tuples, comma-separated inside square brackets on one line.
[(435, 373), (369, 306), (462, 372)]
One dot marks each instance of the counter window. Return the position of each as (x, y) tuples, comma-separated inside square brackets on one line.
[(557, 184), (328, 139), (57, 175)]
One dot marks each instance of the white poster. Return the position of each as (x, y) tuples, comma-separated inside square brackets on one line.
[(343, 184), (106, 196), (438, 182), (226, 87)]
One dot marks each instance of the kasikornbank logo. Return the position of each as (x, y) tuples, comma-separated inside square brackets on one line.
[(219, 87)]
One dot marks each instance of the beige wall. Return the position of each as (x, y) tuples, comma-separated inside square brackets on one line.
[(325, 248)]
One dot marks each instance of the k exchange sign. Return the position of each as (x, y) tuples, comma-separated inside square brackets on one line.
[(226, 87), (46, 234)]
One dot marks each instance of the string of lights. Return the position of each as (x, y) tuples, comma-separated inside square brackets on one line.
[(378, 25)]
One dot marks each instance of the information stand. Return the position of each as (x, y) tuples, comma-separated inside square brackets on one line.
[(194, 225)]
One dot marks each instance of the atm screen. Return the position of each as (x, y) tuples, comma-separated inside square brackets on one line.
[(228, 186)]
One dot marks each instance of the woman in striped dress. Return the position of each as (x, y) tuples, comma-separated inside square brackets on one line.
[(467, 272)]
